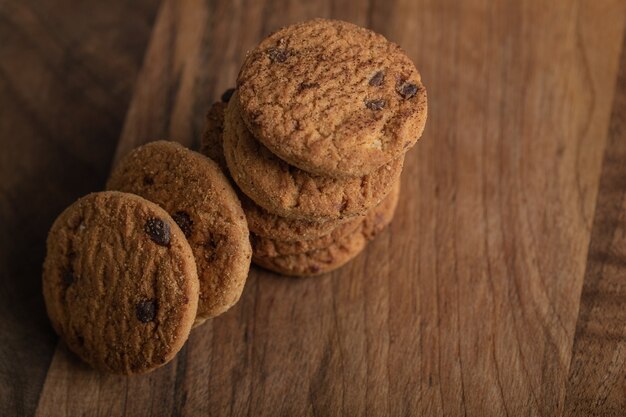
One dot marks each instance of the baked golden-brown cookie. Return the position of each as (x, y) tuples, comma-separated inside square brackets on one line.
[(120, 282), (198, 196), (260, 222), (332, 98), (268, 246), (268, 225), (339, 252), (291, 192), (263, 246), (211, 141)]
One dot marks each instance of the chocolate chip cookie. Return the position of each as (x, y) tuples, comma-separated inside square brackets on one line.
[(120, 282), (290, 192), (268, 225), (340, 251), (211, 141), (200, 199), (271, 247), (332, 98), (260, 222), (263, 246)]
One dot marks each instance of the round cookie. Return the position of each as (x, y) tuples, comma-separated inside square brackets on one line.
[(211, 141), (271, 247), (120, 282), (338, 253), (268, 225), (332, 98), (263, 246), (200, 199), (260, 222), (291, 192)]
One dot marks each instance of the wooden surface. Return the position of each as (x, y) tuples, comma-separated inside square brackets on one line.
[(498, 289), (66, 76), (597, 381)]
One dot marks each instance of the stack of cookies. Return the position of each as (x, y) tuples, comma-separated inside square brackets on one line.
[(314, 136)]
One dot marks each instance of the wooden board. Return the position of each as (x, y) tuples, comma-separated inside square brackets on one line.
[(468, 304), (66, 77), (597, 382)]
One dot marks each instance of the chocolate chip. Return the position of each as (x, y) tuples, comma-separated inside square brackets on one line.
[(378, 79), (406, 89), (148, 180), (375, 104), (68, 276), (279, 55), (226, 95), (146, 310), (158, 230), (183, 220)]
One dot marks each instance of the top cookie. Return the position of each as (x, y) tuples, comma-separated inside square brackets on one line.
[(200, 199), (332, 98), (294, 193), (120, 282)]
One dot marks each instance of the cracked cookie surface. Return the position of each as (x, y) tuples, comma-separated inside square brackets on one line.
[(268, 225), (198, 196), (264, 246), (340, 251), (120, 282), (290, 192), (332, 98), (260, 222), (271, 246)]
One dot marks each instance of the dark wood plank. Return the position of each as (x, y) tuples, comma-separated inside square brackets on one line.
[(597, 381), (468, 304), (66, 75)]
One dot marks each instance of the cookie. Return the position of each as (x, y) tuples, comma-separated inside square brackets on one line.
[(211, 141), (338, 253), (260, 222), (200, 199), (263, 246), (290, 192), (265, 224), (332, 98), (120, 282), (271, 247)]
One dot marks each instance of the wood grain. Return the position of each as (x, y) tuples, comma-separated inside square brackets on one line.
[(468, 304), (66, 75), (597, 382)]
